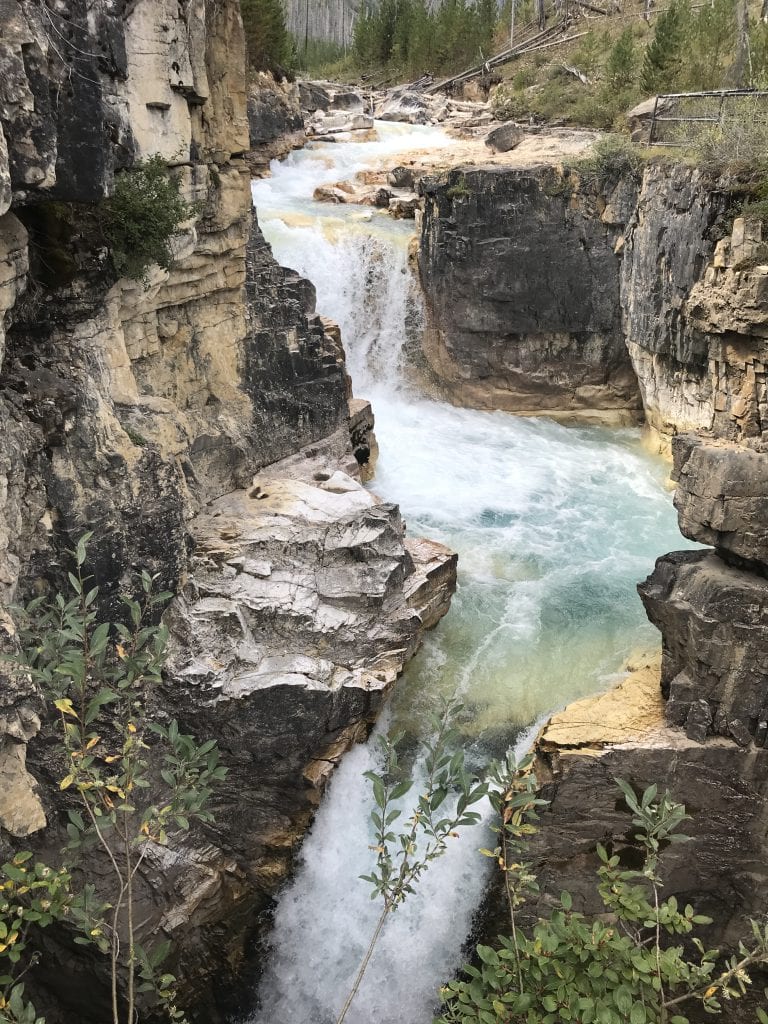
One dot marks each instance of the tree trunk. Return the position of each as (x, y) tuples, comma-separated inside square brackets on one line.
[(540, 12), (739, 75)]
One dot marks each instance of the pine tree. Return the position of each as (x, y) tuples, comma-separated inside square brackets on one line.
[(621, 65), (663, 57), (267, 41)]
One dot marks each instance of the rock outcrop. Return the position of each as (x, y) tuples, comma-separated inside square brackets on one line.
[(522, 287), (275, 121), (625, 734)]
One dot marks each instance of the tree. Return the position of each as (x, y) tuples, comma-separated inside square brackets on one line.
[(621, 66), (267, 42), (663, 57)]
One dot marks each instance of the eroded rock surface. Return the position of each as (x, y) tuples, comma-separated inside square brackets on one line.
[(579, 754), (275, 121), (522, 286)]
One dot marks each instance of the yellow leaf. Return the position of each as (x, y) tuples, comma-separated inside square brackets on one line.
[(64, 704), (3, 947), (710, 991), (120, 651), (111, 759), (66, 782), (131, 727), (92, 742)]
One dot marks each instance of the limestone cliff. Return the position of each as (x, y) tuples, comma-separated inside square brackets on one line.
[(522, 286), (540, 281), (144, 411)]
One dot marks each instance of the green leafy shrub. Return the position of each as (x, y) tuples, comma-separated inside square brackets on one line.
[(403, 856), (141, 217), (610, 158), (623, 966), (135, 784)]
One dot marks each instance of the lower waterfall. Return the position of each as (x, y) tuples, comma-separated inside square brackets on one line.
[(554, 525)]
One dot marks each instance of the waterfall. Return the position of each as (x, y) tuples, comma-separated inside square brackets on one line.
[(553, 526)]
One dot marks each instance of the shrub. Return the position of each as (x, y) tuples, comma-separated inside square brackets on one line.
[(141, 217), (134, 785), (614, 969), (739, 143), (610, 158)]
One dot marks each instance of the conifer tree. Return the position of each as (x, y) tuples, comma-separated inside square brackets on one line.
[(663, 57), (267, 41)]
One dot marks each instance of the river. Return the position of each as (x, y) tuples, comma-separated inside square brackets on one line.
[(554, 526)]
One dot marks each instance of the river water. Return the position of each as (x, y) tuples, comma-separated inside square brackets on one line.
[(554, 527)]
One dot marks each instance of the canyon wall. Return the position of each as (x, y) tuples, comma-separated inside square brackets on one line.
[(522, 289), (539, 281), (198, 422)]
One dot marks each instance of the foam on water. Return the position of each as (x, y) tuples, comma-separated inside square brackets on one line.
[(554, 526)]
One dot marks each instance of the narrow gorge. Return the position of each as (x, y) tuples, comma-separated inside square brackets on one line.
[(538, 345)]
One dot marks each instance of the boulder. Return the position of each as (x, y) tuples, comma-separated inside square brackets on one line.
[(713, 620), (404, 207), (401, 177), (505, 137), (408, 107)]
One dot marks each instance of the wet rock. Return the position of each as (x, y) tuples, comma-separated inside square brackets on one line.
[(401, 177), (404, 207), (401, 105), (338, 123), (275, 121), (364, 444), (382, 198), (505, 137)]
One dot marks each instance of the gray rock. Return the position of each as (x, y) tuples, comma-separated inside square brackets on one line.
[(714, 630), (401, 177), (740, 732), (505, 137), (698, 721), (722, 496), (522, 285)]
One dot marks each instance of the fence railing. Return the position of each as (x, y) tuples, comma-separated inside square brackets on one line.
[(678, 118)]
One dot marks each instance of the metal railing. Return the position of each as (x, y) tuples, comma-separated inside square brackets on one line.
[(678, 118)]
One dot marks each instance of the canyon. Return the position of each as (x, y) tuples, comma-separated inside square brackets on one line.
[(204, 421)]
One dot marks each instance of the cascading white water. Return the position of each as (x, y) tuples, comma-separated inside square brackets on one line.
[(553, 525)]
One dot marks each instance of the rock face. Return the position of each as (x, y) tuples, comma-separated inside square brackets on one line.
[(275, 121), (522, 286), (143, 410), (580, 752)]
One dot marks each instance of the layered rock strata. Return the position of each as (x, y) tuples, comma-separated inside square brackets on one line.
[(275, 121), (522, 287), (143, 410)]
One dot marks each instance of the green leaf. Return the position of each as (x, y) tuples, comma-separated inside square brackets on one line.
[(637, 1014)]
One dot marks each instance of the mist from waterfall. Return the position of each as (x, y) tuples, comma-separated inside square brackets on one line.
[(554, 526)]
